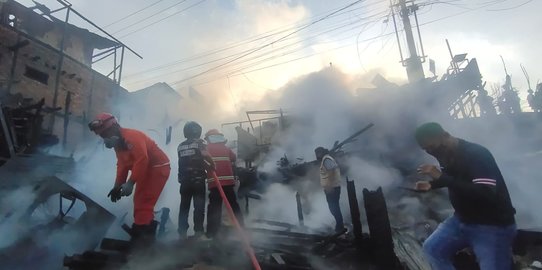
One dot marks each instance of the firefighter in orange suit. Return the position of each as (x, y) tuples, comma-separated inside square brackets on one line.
[(224, 160), (149, 167)]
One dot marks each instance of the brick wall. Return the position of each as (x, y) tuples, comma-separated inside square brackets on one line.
[(91, 92)]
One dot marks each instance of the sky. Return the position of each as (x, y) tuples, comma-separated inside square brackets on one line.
[(242, 49)]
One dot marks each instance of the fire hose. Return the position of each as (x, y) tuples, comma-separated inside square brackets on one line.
[(242, 235)]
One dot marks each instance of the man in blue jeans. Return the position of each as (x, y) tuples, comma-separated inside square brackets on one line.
[(330, 179), (484, 215)]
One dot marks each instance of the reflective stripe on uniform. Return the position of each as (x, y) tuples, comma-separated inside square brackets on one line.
[(221, 158), (222, 178), (161, 165)]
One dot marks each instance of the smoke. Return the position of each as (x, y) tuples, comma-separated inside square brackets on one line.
[(323, 107), (11, 226)]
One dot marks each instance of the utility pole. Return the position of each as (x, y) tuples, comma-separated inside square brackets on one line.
[(413, 63)]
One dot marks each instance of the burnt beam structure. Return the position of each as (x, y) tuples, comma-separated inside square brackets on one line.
[(380, 228), (354, 209), (299, 209)]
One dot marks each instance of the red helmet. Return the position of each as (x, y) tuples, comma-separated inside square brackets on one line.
[(102, 122), (212, 132)]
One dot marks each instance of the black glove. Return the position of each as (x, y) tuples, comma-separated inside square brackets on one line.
[(115, 194)]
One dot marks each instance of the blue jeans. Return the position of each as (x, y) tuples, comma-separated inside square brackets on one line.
[(333, 196), (492, 245)]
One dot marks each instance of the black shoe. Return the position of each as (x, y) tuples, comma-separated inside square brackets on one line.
[(182, 235), (341, 230)]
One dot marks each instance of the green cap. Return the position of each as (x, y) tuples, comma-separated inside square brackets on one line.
[(428, 131)]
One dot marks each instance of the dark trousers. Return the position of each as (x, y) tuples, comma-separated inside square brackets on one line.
[(192, 190), (332, 196), (214, 210)]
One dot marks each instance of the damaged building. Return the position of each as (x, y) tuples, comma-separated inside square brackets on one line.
[(48, 90), (47, 61)]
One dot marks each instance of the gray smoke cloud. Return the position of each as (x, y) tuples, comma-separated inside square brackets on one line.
[(324, 107)]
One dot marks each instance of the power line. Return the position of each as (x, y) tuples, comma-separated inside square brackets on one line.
[(354, 25), (510, 8), (271, 43), (165, 18), (153, 15), (258, 56), (234, 45), (237, 45), (239, 71), (236, 72), (133, 13)]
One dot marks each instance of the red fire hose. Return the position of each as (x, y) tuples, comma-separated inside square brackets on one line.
[(242, 234)]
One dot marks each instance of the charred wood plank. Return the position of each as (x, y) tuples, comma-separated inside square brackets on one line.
[(299, 209), (409, 251), (6, 133), (115, 245), (380, 230), (354, 209)]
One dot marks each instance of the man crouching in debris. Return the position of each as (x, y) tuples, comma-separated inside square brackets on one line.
[(194, 163), (138, 153), (484, 216), (330, 179)]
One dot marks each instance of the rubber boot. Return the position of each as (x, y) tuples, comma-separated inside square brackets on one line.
[(143, 235), (137, 234), (150, 232)]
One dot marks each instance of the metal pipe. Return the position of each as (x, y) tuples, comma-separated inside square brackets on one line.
[(419, 36), (99, 28), (102, 58), (106, 51), (59, 67), (241, 122), (121, 64), (115, 65), (397, 34), (454, 66)]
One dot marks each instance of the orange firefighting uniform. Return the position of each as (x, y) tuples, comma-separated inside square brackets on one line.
[(150, 170)]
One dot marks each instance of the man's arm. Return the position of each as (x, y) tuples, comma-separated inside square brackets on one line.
[(210, 164), (179, 163), (483, 185), (141, 163), (122, 171)]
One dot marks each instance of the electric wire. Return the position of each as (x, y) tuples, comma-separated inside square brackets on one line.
[(133, 13)]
